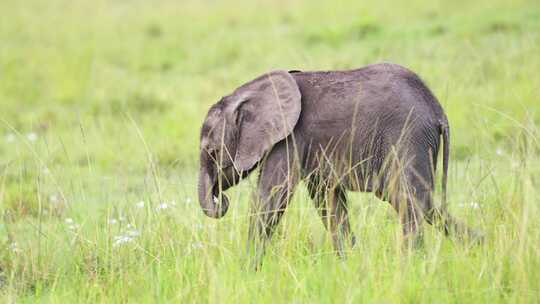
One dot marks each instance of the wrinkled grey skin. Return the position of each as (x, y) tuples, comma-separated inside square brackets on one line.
[(374, 129)]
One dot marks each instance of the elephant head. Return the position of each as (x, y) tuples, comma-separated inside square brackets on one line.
[(239, 130)]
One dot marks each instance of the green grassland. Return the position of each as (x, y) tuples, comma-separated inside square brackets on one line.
[(100, 108)]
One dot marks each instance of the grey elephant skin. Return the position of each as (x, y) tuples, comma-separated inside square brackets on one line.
[(373, 129)]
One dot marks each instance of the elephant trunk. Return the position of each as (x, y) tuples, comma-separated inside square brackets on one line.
[(210, 194)]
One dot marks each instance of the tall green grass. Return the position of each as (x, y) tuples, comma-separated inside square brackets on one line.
[(100, 108)]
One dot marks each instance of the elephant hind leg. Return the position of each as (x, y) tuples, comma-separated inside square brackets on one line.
[(410, 191), (408, 197), (411, 219), (446, 222), (442, 219)]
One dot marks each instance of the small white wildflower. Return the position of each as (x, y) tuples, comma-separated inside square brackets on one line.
[(10, 137), (53, 198), (197, 245), (32, 136), (129, 236), (189, 201), (216, 200), (46, 171), (73, 226), (130, 226), (499, 151), (162, 206), (474, 205), (133, 233), (140, 205), (113, 221), (69, 220), (121, 239), (14, 247)]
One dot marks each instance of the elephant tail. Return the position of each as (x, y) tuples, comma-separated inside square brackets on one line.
[(445, 131)]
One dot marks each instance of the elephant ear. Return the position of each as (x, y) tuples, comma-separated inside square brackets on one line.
[(268, 109)]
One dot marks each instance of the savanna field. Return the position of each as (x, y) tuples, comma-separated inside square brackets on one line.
[(101, 104)]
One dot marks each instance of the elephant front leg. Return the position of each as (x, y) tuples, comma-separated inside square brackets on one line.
[(331, 203), (275, 188)]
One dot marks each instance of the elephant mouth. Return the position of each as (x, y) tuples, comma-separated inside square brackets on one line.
[(213, 200), (220, 200), (212, 185)]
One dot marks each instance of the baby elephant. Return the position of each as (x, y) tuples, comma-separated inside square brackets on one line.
[(374, 129)]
